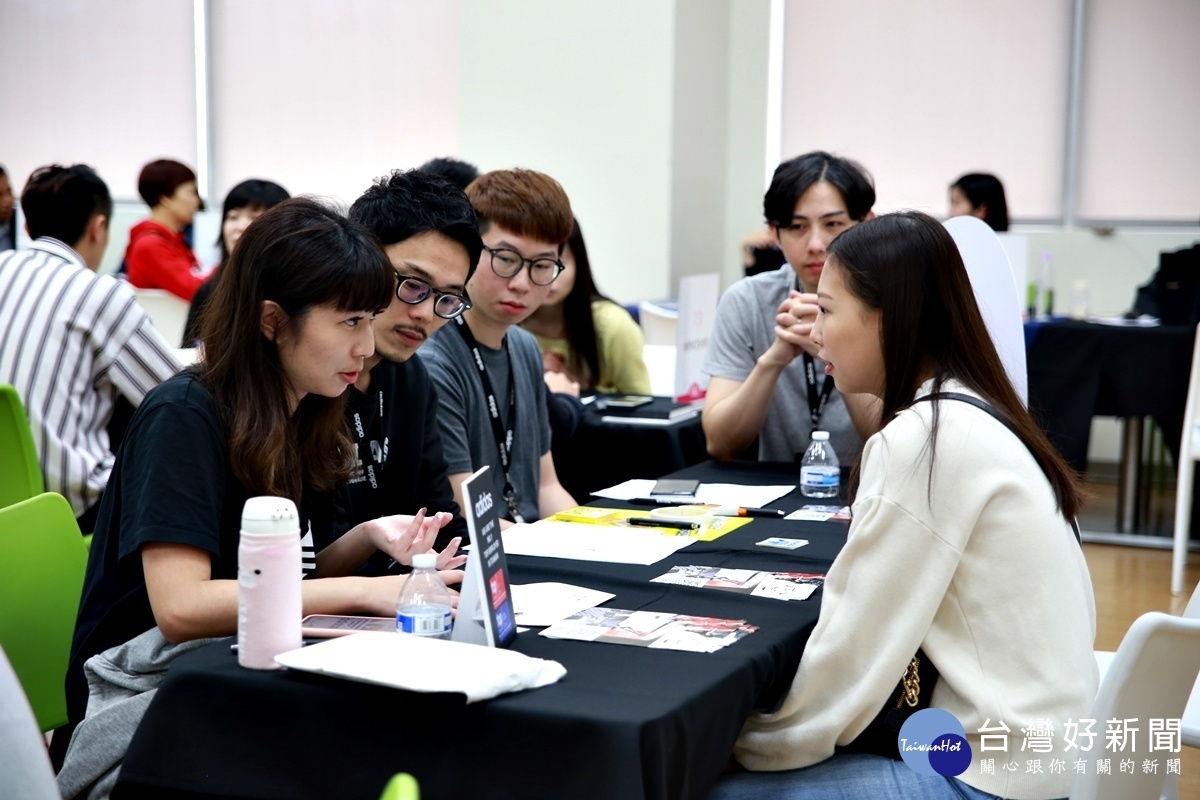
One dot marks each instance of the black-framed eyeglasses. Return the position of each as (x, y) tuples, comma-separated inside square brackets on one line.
[(447, 305), (507, 263)]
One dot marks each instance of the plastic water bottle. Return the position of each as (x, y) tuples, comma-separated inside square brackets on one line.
[(820, 473), (424, 605), (269, 575)]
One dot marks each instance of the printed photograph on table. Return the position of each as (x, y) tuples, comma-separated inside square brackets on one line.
[(816, 513), (650, 629), (780, 585)]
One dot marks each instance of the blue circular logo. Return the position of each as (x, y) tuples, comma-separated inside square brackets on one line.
[(932, 742)]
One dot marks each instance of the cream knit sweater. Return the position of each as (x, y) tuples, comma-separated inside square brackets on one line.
[(975, 566)]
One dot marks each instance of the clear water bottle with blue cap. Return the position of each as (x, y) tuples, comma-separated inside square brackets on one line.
[(820, 472), (424, 605)]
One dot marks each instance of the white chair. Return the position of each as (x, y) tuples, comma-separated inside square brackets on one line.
[(1149, 677), (25, 769), (660, 363), (1189, 451), (167, 311), (995, 294), (659, 323)]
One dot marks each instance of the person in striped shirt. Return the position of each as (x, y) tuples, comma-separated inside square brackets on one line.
[(72, 341)]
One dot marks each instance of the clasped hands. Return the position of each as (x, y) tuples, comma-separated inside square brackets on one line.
[(794, 321)]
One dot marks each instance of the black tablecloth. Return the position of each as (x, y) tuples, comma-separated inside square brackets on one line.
[(1078, 370), (626, 722), (602, 454)]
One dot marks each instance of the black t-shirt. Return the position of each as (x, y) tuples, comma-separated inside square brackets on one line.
[(399, 451), (171, 483)]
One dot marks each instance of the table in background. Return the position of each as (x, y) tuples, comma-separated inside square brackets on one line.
[(1078, 370), (626, 722), (603, 454)]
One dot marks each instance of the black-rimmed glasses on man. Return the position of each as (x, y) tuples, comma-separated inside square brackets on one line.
[(447, 305), (507, 263)]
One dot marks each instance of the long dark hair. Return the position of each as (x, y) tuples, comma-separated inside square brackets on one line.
[(577, 312), (907, 267), (982, 189), (298, 254)]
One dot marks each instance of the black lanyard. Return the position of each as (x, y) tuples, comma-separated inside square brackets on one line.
[(816, 399), (504, 436)]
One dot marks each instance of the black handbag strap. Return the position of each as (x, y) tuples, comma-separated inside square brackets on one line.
[(1003, 420)]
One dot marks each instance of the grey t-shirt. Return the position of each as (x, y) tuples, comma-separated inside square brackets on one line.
[(743, 331), (462, 416)]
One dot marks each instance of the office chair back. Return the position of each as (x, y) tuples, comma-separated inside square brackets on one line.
[(20, 470), (42, 561)]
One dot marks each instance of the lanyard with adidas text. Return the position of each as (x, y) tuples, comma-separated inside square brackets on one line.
[(504, 436)]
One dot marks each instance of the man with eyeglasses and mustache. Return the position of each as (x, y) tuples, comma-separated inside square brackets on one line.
[(488, 371), (428, 231)]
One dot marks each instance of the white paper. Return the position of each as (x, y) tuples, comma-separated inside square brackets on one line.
[(425, 665), (542, 604), (615, 544), (718, 494), (1144, 321)]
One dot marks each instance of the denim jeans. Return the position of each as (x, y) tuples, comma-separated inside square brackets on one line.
[(851, 776)]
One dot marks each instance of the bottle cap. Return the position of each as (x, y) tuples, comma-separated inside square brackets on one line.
[(820, 436), (424, 561), (269, 515)]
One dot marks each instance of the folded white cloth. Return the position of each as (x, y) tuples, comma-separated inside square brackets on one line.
[(425, 665)]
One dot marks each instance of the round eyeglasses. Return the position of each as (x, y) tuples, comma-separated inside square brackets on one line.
[(414, 290), (507, 263)]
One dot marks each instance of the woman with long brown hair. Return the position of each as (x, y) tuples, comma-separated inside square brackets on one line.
[(261, 414), (961, 550)]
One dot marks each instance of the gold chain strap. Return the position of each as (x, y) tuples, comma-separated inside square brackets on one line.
[(912, 684)]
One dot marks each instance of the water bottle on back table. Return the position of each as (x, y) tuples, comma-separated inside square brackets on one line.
[(820, 472)]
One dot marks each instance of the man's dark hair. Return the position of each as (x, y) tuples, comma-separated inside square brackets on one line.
[(161, 178), (793, 178), (459, 173), (59, 201), (404, 204)]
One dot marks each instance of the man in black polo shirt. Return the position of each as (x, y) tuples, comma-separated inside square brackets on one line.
[(429, 232)]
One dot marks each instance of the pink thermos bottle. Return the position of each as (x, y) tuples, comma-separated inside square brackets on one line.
[(269, 574)]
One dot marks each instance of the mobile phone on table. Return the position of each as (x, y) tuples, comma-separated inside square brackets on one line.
[(675, 489), (326, 626)]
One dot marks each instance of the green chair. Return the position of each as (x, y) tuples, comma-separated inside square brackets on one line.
[(42, 561), (20, 471), (402, 786)]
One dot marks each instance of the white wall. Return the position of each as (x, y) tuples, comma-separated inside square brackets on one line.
[(581, 92)]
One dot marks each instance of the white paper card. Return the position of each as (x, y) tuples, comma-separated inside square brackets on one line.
[(540, 604), (617, 545), (717, 494)]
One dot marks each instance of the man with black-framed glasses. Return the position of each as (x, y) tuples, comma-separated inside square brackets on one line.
[(488, 371), (428, 231)]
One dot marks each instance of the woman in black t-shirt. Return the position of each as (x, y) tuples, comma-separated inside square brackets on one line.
[(260, 414)]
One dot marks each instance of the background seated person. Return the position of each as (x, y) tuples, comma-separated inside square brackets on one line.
[(766, 381), (245, 203), (158, 256), (583, 334), (75, 343), (978, 194), (957, 534), (260, 414)]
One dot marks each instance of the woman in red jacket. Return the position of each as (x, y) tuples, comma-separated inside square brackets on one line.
[(157, 256)]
